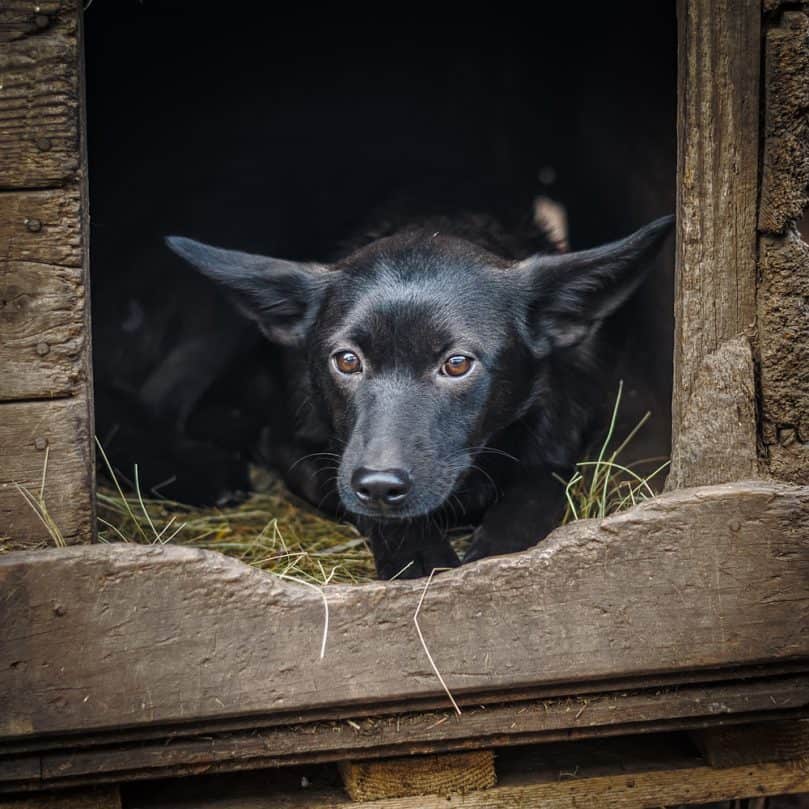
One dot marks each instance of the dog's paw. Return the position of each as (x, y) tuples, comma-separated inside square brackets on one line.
[(481, 546), (420, 563)]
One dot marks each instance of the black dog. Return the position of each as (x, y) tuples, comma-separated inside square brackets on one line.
[(442, 375)]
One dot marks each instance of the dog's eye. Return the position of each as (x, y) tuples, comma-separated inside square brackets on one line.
[(347, 362), (457, 365)]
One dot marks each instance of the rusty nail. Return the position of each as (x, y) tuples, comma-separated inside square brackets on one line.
[(43, 349), (41, 443), (735, 526), (43, 144), (34, 225)]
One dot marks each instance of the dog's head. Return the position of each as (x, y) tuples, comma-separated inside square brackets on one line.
[(421, 346)]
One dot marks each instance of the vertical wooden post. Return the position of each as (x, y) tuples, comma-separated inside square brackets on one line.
[(783, 315), (713, 410), (46, 425)]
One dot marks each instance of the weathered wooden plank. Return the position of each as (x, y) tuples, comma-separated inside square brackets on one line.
[(42, 226), (785, 156), (783, 324), (30, 431), (636, 774), (99, 798), (21, 18), (754, 743), (592, 602), (444, 774), (783, 331), (517, 723), (43, 332), (717, 167), (43, 324), (39, 100)]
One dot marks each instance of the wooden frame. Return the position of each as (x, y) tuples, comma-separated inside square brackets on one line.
[(689, 611)]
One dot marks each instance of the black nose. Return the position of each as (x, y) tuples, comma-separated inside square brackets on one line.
[(384, 486)]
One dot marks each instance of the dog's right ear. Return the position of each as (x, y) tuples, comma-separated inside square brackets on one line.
[(282, 297)]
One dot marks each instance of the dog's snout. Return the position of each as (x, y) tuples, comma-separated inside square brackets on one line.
[(388, 487)]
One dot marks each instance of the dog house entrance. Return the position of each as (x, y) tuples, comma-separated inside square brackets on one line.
[(279, 139)]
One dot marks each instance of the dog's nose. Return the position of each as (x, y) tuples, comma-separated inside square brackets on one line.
[(384, 486)]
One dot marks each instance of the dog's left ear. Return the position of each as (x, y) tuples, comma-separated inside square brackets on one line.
[(570, 294), (282, 297)]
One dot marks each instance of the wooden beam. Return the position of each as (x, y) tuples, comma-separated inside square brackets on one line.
[(44, 290), (43, 296), (446, 774), (39, 102), (87, 759), (719, 44), (99, 798), (754, 743), (643, 790), (30, 432), (783, 325), (631, 773), (706, 578)]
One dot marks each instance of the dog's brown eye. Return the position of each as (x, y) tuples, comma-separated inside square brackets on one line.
[(347, 362), (457, 365)]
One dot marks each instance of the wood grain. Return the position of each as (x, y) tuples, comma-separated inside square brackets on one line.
[(43, 300), (27, 431), (783, 323), (593, 601), (787, 740), (783, 334), (100, 798), (20, 18), (39, 101), (719, 44), (184, 751), (633, 774), (785, 156), (43, 335)]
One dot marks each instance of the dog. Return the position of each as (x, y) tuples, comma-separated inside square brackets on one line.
[(442, 372)]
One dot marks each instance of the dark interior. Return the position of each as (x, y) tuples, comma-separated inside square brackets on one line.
[(280, 134)]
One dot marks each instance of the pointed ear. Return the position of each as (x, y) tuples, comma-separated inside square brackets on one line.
[(282, 297), (571, 294)]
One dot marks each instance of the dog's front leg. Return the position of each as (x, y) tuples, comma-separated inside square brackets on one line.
[(524, 515), (407, 549)]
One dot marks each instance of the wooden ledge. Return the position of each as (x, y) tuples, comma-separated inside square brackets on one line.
[(698, 586)]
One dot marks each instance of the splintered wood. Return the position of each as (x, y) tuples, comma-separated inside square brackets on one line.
[(448, 774)]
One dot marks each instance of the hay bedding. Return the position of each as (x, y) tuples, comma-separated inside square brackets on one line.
[(277, 532), (271, 530)]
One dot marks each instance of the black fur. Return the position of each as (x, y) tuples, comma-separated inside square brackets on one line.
[(480, 449)]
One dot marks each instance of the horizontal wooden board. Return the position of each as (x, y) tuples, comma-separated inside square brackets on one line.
[(514, 723), (701, 578), (39, 101), (21, 18), (105, 798), (43, 300), (41, 226), (29, 431), (43, 331), (633, 773)]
